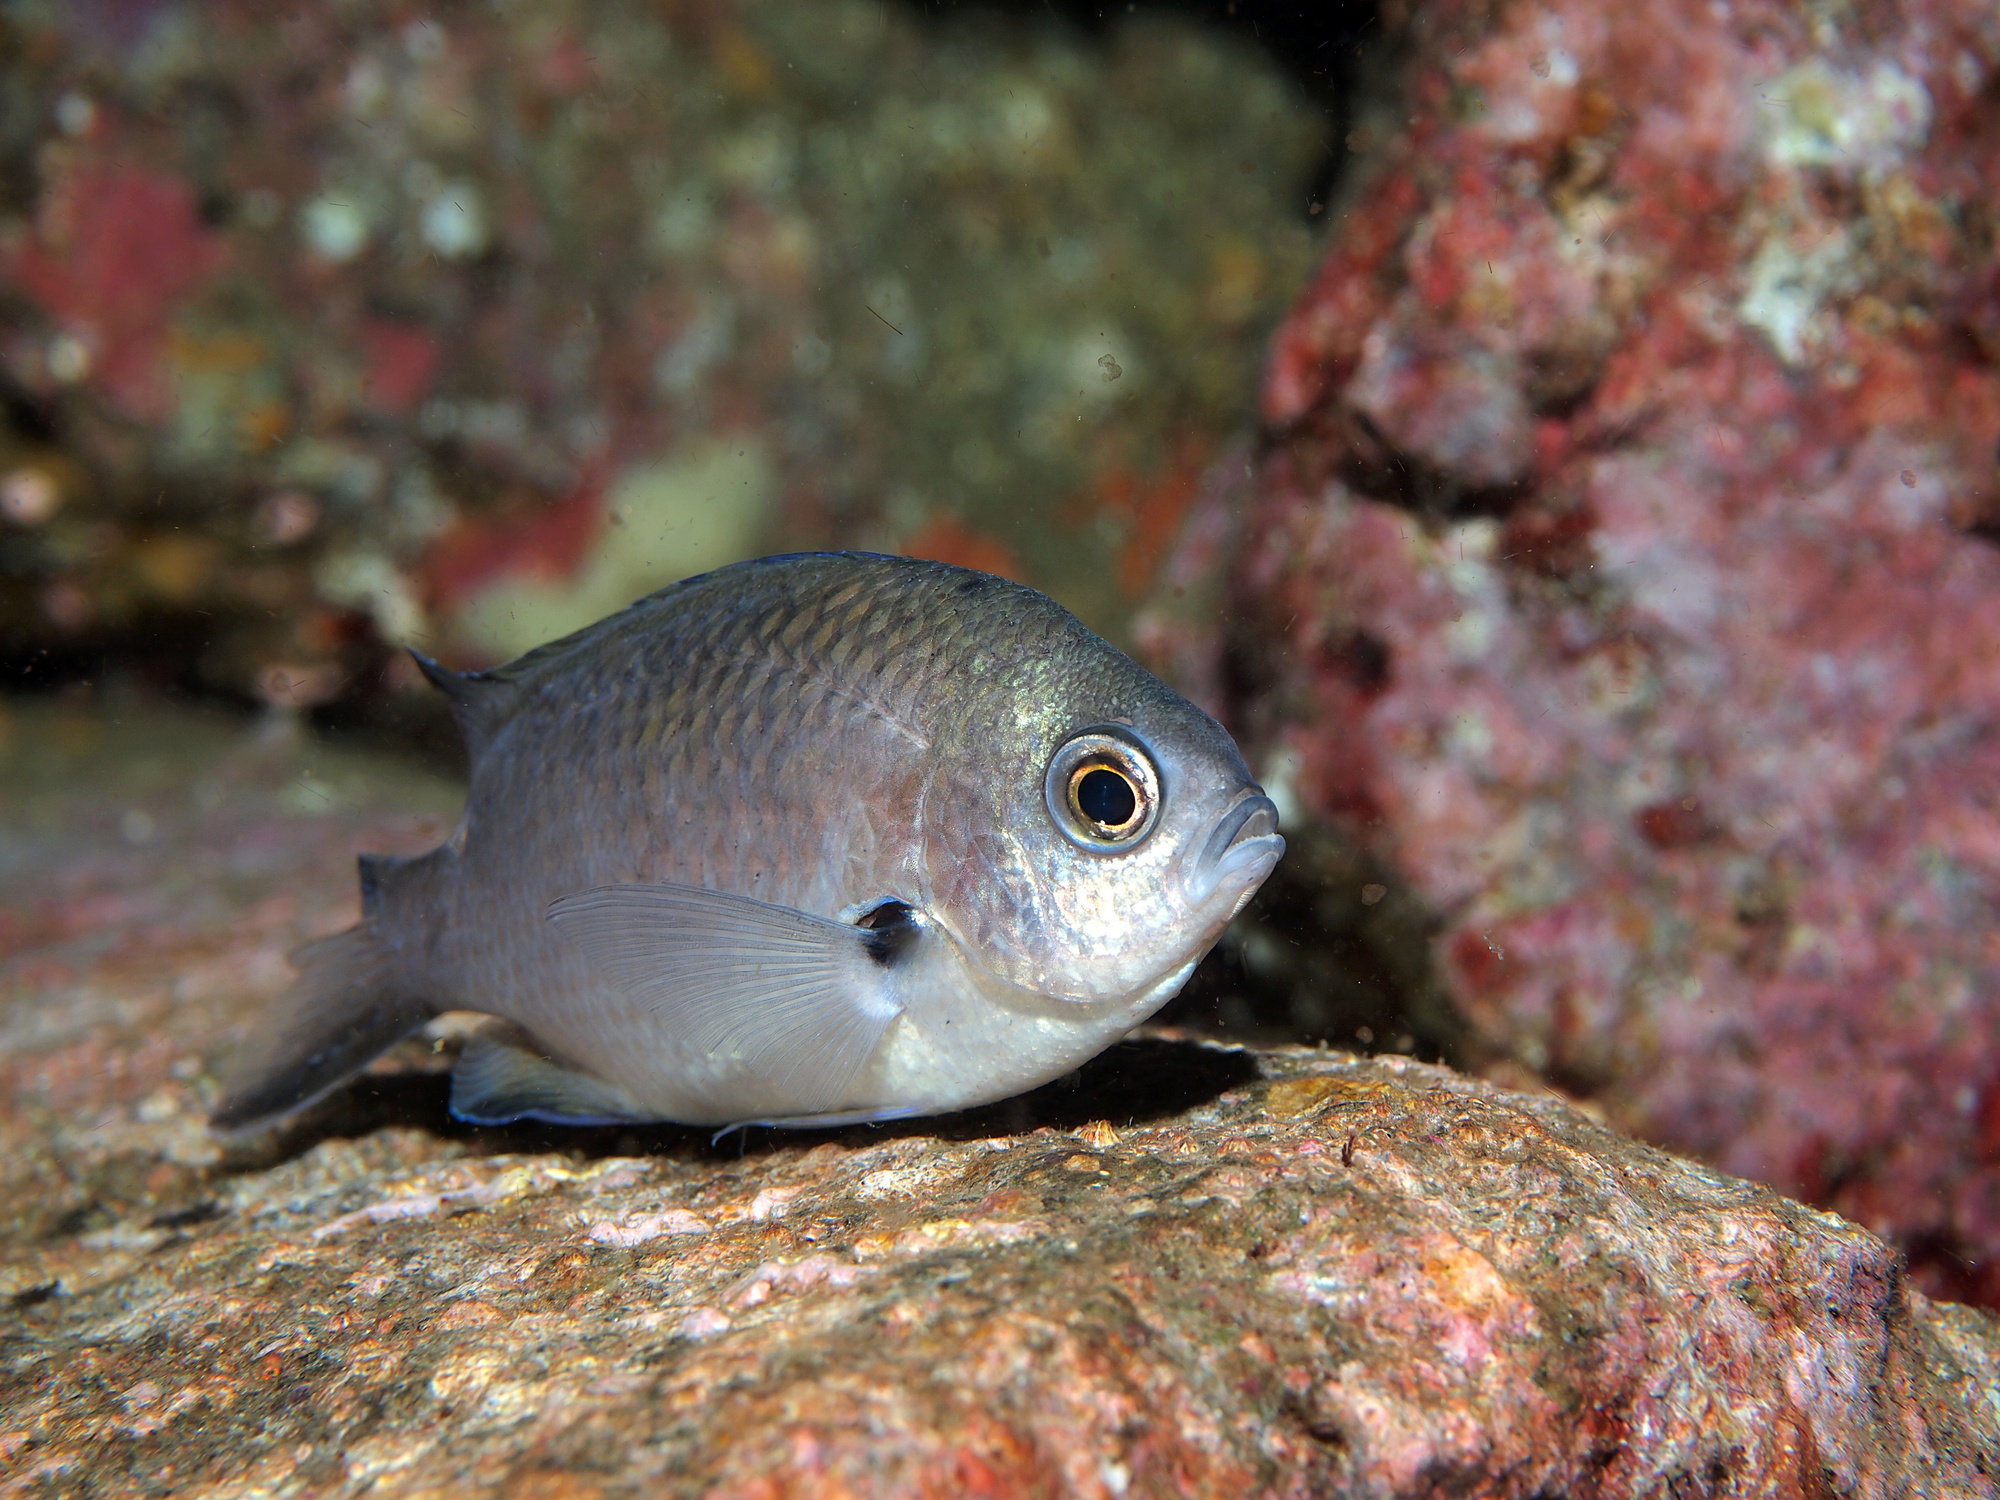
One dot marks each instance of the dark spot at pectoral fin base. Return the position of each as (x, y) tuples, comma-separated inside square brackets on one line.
[(498, 1080), (889, 932), (798, 1001)]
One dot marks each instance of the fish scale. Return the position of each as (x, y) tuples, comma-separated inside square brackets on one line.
[(789, 842)]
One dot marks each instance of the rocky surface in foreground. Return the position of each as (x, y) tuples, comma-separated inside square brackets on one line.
[(1191, 1270)]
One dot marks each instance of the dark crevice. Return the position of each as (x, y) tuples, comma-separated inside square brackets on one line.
[(185, 1218), (1323, 1430), (1547, 533), (1370, 465), (1558, 390), (1943, 1267), (1366, 660), (157, 650), (26, 419), (1978, 515), (1334, 948)]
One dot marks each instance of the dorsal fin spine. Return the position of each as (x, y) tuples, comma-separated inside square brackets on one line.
[(479, 701)]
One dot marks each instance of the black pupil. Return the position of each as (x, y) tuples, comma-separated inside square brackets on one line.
[(1106, 798)]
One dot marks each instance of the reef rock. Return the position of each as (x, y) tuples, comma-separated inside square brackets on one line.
[(333, 328), (1192, 1270), (1623, 575)]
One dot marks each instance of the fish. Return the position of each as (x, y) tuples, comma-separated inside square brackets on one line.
[(805, 841)]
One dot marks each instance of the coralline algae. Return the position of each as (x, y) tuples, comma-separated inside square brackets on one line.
[(1624, 575)]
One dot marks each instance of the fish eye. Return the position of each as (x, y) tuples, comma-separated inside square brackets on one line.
[(1104, 796), (1103, 790)]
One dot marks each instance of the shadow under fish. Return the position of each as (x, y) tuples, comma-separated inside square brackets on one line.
[(1144, 1078)]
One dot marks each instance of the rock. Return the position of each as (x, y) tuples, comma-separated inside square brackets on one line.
[(1622, 577), (1192, 1270), (484, 317)]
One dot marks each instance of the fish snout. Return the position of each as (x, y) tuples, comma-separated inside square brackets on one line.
[(1240, 851)]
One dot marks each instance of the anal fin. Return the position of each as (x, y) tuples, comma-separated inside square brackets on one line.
[(498, 1080), (881, 1115)]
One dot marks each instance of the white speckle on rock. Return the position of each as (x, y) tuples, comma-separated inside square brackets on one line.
[(1820, 116), (334, 228), (68, 358), (454, 221), (366, 87), (463, 1376), (75, 113), (1789, 287), (770, 1203), (1086, 371), (637, 1228), (411, 1206), (707, 339), (703, 1322), (906, 1182), (1469, 740), (29, 497)]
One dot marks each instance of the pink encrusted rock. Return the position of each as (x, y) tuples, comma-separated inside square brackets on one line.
[(1623, 572), (1191, 1271), (116, 254)]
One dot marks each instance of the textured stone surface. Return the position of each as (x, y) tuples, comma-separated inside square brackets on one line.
[(1622, 576), (1191, 1271)]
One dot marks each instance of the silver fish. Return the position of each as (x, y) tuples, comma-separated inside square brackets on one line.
[(804, 841)]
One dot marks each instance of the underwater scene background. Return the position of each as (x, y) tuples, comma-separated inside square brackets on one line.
[(1560, 440)]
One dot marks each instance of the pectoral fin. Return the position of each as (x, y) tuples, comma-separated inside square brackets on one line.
[(799, 1000), (497, 1080)]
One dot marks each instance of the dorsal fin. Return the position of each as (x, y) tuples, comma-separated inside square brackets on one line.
[(481, 702)]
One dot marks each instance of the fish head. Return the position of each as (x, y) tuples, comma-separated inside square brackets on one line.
[(1122, 838)]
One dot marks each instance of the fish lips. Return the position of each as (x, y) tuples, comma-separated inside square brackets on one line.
[(1239, 852)]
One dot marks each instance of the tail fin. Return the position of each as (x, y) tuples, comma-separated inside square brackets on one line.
[(346, 1007)]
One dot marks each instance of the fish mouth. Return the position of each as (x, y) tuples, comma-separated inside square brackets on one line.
[(1239, 852)]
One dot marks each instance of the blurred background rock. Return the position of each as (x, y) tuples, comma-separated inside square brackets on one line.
[(326, 329), (1620, 582)]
